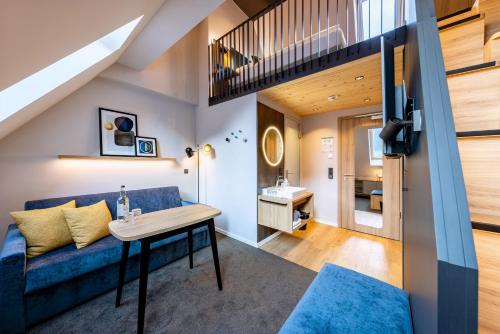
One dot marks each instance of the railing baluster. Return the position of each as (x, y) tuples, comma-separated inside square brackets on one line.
[(281, 35), (270, 54), (264, 48), (248, 55), (288, 37), (223, 68), (275, 37), (369, 20), (338, 27), (295, 34), (347, 22), (233, 71), (230, 72), (240, 61), (217, 72), (310, 32), (319, 33), (328, 29), (302, 34), (208, 68)]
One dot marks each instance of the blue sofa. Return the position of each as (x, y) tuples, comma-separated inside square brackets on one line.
[(32, 290), (340, 300)]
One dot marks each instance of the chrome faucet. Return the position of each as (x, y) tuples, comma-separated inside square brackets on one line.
[(281, 182)]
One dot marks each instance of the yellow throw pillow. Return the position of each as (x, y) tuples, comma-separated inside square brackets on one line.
[(44, 229), (88, 223)]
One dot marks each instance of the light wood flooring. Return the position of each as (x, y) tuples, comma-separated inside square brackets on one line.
[(374, 256), (488, 257), (382, 258)]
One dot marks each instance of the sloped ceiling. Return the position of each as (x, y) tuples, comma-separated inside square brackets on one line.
[(37, 33), (174, 20)]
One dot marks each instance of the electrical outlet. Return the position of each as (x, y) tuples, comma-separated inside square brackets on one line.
[(186, 171)]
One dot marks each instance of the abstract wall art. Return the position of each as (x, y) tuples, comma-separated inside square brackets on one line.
[(145, 147), (118, 131)]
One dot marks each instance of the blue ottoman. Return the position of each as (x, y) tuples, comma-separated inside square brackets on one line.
[(340, 300)]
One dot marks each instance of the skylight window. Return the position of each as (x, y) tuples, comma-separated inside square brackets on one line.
[(26, 91)]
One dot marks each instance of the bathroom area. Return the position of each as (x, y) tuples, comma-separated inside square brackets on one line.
[(325, 191)]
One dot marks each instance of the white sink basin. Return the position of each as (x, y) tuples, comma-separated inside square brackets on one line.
[(284, 192)]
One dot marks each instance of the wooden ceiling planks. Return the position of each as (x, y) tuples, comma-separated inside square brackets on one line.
[(309, 95)]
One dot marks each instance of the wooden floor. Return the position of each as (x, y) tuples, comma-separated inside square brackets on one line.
[(374, 256), (382, 258), (488, 256)]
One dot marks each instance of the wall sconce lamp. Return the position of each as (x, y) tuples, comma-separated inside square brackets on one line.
[(207, 148)]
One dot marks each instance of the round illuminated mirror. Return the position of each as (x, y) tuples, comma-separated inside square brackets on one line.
[(272, 146)]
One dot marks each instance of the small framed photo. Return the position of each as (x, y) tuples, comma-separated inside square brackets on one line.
[(117, 132), (145, 147)]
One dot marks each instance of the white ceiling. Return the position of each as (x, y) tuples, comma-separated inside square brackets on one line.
[(37, 33), (173, 21)]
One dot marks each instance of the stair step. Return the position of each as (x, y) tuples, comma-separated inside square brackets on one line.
[(458, 16), (473, 68), (480, 159), (492, 48), (482, 133), (475, 97), (463, 43)]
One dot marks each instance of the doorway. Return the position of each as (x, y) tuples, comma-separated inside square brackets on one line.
[(370, 184), (292, 152)]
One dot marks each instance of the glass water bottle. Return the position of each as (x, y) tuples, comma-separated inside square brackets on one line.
[(122, 208)]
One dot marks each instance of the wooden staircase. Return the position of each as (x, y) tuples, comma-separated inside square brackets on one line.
[(471, 53)]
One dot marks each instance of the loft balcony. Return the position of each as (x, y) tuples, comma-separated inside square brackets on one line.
[(294, 38)]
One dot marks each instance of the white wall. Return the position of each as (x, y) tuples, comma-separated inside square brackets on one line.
[(315, 164), (174, 73), (228, 178), (28, 156)]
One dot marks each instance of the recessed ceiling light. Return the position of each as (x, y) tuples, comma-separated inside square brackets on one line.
[(333, 98), (359, 77), (367, 99)]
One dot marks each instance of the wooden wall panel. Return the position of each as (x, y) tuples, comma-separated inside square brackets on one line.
[(481, 165), (475, 100), (266, 174), (447, 7), (492, 48), (491, 9), (463, 45)]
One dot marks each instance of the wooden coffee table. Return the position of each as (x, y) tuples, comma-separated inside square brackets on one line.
[(155, 226)]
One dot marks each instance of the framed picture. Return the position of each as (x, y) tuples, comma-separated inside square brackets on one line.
[(117, 132), (145, 147)]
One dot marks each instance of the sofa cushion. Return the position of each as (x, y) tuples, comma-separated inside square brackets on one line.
[(340, 300), (148, 200), (68, 262), (88, 224), (44, 229)]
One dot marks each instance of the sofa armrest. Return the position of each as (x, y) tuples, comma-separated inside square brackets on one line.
[(12, 281), (185, 203)]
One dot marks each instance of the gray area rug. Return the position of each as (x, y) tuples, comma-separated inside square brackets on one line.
[(260, 291)]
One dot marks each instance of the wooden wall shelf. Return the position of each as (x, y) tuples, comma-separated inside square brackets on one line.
[(98, 157)]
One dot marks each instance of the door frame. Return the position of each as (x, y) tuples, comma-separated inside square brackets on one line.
[(391, 232)]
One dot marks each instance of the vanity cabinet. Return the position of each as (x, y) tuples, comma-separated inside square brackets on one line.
[(277, 212)]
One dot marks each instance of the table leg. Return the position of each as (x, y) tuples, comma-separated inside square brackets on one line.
[(190, 246), (121, 275), (143, 284), (215, 253)]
